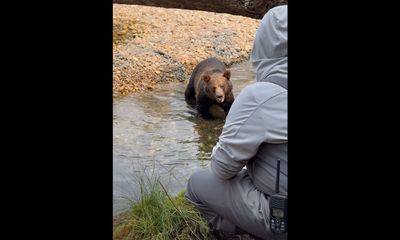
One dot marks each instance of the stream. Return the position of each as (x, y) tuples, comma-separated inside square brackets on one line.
[(156, 134)]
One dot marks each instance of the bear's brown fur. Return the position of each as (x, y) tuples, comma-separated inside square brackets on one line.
[(210, 84)]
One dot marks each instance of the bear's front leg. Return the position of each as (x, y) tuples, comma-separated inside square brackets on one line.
[(228, 103), (204, 110), (226, 108), (203, 106)]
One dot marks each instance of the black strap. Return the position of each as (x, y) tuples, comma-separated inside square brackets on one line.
[(281, 81)]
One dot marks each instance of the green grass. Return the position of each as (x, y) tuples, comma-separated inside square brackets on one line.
[(159, 216)]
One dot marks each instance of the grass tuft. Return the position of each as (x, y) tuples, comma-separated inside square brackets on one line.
[(158, 216)]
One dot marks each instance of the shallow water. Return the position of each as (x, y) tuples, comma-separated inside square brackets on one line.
[(156, 134)]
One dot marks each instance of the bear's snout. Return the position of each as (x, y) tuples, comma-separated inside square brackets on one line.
[(220, 98)]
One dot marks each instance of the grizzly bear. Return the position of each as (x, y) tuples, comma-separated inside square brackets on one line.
[(210, 84)]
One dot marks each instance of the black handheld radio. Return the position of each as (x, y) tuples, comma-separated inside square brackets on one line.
[(278, 220)]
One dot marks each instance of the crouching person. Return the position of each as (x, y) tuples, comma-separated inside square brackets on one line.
[(234, 193)]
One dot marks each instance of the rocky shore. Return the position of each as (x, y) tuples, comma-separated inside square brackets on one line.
[(154, 45)]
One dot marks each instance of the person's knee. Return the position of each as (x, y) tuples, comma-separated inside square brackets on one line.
[(195, 184), (190, 196)]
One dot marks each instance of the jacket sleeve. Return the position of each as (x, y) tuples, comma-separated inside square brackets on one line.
[(251, 121)]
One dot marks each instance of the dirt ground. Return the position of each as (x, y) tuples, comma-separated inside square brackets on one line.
[(154, 45)]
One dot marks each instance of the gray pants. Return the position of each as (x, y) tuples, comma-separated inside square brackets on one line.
[(232, 203)]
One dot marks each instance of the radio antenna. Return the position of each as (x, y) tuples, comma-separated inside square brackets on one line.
[(278, 170)]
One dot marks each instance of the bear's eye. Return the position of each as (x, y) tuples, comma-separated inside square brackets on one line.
[(214, 88)]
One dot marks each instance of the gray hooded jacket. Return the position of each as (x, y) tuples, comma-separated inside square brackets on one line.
[(255, 131)]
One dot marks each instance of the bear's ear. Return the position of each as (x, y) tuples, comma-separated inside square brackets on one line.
[(227, 74), (206, 78)]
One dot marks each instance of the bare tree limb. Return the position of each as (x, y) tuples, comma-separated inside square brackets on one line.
[(248, 8)]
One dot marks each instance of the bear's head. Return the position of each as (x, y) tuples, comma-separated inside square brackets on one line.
[(218, 85)]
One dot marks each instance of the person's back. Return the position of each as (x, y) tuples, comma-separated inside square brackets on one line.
[(269, 60), (255, 136)]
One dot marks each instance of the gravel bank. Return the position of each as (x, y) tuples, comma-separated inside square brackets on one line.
[(154, 45)]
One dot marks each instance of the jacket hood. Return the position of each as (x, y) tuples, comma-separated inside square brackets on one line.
[(269, 53)]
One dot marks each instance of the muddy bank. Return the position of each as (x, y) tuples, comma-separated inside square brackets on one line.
[(157, 45)]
